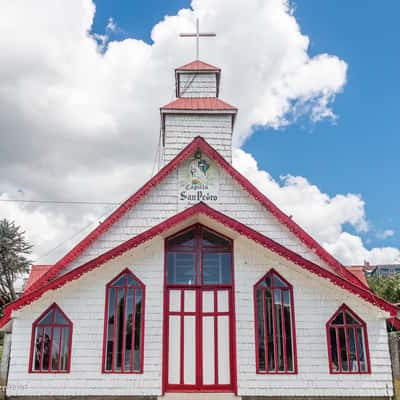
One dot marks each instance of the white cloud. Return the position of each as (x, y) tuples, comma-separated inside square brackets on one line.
[(385, 234), (80, 119), (319, 214)]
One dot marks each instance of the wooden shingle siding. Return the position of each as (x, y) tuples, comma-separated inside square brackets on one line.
[(197, 85)]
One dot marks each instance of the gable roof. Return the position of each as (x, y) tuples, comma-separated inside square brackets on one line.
[(37, 271), (197, 143), (198, 65), (230, 223), (358, 272), (198, 104)]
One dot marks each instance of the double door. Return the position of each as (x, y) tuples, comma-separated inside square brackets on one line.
[(199, 340)]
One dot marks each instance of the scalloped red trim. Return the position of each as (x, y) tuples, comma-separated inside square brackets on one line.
[(197, 143), (229, 222)]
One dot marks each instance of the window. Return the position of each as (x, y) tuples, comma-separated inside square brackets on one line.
[(199, 256), (124, 325), (347, 343), (51, 342), (274, 323)]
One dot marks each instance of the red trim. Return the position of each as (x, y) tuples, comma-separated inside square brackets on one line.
[(343, 309), (198, 65), (53, 308), (289, 288), (197, 143), (199, 104), (109, 286), (204, 209)]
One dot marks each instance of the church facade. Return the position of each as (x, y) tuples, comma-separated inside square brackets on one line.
[(198, 283)]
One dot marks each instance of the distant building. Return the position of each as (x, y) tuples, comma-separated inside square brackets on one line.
[(385, 270)]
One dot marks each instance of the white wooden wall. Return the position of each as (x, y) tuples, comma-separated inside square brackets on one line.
[(181, 129), (315, 300), (198, 85), (162, 203)]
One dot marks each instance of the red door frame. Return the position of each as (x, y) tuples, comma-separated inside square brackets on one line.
[(199, 288)]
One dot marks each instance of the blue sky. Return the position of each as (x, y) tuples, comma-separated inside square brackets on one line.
[(359, 153)]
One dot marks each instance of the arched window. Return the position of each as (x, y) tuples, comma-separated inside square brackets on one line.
[(347, 343), (274, 323), (199, 256), (51, 342), (124, 325)]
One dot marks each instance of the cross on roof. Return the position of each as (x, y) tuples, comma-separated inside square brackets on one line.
[(198, 35)]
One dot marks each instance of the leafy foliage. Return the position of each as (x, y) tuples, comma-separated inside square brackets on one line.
[(13, 262), (387, 287)]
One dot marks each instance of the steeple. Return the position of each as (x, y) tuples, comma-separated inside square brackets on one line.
[(197, 111)]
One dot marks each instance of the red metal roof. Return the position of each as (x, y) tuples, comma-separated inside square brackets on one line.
[(37, 271), (198, 103), (358, 272), (198, 65)]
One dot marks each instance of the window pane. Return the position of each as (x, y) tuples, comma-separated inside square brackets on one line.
[(270, 331), (181, 268), (128, 329), (343, 350), (46, 348), (119, 320), (137, 350), (65, 349), (119, 281), (110, 329), (260, 330), (217, 268), (352, 349), (361, 350), (185, 239), (279, 330), (55, 348), (278, 282), (59, 319), (333, 350), (338, 320), (212, 240), (132, 281), (288, 330), (351, 320), (38, 348), (47, 319)]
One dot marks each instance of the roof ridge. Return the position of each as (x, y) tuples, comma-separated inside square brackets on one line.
[(198, 65)]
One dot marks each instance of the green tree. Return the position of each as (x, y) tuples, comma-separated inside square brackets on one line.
[(387, 287), (13, 262)]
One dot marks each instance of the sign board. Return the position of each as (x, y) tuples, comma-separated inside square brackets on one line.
[(198, 180)]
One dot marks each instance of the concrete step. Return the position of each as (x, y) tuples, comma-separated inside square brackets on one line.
[(199, 396)]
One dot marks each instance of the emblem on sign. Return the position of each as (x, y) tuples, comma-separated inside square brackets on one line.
[(198, 180)]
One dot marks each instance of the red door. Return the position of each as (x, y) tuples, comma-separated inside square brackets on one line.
[(199, 313), (199, 339)]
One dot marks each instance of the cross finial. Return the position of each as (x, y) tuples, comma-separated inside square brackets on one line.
[(198, 35)]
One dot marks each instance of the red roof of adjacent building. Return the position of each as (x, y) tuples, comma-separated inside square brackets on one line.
[(198, 65), (198, 103), (358, 272), (37, 271)]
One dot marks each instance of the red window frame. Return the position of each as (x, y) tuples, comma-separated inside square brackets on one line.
[(109, 286), (347, 326), (289, 288), (36, 324)]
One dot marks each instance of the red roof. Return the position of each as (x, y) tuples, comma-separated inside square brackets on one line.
[(230, 223), (358, 272), (37, 271), (198, 103), (198, 65)]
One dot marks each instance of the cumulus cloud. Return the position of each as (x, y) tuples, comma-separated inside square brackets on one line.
[(322, 216), (80, 112)]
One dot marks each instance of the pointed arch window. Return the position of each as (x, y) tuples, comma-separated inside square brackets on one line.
[(274, 325), (347, 343), (124, 324), (51, 342)]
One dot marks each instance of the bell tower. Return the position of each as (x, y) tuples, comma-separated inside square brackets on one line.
[(197, 109)]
